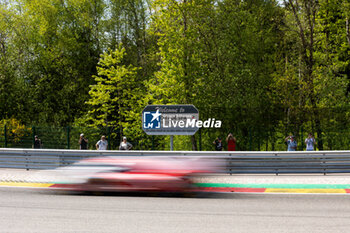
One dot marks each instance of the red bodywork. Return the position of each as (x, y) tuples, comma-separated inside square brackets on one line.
[(134, 174)]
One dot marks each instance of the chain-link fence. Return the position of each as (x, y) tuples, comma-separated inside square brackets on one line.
[(61, 137), (247, 140)]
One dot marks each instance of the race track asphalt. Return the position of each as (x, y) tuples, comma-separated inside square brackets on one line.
[(28, 210)]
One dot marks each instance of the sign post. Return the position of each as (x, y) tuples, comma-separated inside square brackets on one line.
[(170, 120), (171, 142)]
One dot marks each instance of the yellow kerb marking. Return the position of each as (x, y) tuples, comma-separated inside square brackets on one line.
[(276, 190), (23, 184)]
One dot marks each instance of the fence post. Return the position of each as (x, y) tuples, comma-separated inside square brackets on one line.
[(259, 139), (109, 137), (5, 134), (33, 136), (152, 142), (68, 137), (301, 138), (200, 139), (250, 139)]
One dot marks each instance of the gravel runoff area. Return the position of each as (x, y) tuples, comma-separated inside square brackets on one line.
[(44, 176)]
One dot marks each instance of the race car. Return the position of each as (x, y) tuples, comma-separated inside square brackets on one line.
[(129, 174)]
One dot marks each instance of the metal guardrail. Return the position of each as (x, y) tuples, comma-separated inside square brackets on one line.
[(243, 162)]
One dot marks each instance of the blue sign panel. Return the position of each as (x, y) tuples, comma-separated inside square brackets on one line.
[(170, 119)]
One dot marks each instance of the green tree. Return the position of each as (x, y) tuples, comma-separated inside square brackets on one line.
[(218, 55), (332, 70), (55, 49), (115, 99), (322, 62), (13, 90)]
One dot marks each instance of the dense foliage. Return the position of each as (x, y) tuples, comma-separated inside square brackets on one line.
[(266, 68)]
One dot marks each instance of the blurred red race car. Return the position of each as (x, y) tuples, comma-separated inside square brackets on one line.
[(168, 174)]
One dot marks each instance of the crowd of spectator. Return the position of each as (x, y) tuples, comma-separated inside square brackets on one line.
[(290, 141), (231, 143)]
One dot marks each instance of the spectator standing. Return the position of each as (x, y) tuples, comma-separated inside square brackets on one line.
[(125, 145), (102, 144), (37, 143), (231, 142), (218, 144), (83, 142), (292, 144), (310, 142)]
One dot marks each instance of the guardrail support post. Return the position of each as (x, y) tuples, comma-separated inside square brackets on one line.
[(276, 169), (325, 166), (27, 161), (230, 165), (61, 160)]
